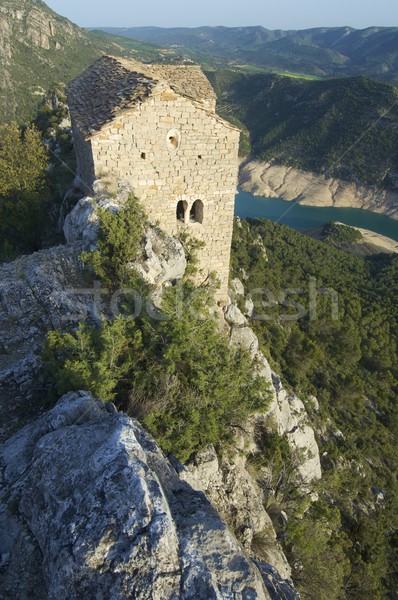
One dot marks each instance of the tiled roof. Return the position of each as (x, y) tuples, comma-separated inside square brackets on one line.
[(188, 81), (112, 84)]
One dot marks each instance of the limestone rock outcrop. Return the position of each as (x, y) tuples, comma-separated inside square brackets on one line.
[(30, 28), (286, 410), (43, 291), (81, 224), (162, 257), (91, 508), (50, 290), (227, 480), (240, 501), (279, 181), (90, 502)]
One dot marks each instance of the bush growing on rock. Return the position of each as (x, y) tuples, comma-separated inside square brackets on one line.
[(93, 358), (174, 370), (119, 237), (177, 375)]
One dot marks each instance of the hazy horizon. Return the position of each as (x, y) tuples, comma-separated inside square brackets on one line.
[(283, 14)]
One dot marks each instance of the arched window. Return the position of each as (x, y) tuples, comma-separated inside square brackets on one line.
[(196, 212), (181, 211)]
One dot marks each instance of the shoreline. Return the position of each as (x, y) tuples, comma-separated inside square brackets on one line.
[(310, 189), (375, 239)]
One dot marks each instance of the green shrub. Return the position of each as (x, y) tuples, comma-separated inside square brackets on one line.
[(175, 369), (176, 373), (316, 548), (120, 234), (337, 233), (93, 358), (217, 387)]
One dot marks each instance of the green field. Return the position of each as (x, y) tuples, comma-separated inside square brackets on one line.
[(305, 76)]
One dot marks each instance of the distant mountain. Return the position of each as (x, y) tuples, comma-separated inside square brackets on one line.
[(323, 51), (346, 128), (38, 48)]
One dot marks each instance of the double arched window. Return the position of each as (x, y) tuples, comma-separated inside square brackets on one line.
[(195, 214)]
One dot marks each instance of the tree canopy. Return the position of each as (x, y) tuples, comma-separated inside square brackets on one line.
[(23, 189)]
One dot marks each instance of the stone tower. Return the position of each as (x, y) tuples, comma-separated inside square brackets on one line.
[(154, 128)]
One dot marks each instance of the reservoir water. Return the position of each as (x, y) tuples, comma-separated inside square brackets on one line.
[(307, 217)]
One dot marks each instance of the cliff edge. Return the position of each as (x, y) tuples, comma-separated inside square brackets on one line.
[(92, 508)]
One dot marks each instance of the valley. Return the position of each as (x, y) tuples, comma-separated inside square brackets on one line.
[(321, 52), (197, 404)]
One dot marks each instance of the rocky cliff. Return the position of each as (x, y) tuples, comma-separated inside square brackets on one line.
[(39, 48), (228, 481), (91, 508), (50, 290), (279, 181), (34, 42), (89, 501)]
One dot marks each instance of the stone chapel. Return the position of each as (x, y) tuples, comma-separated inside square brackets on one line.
[(154, 128)]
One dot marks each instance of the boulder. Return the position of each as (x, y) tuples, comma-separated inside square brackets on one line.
[(233, 315), (236, 288), (162, 260), (246, 338), (81, 224), (91, 508)]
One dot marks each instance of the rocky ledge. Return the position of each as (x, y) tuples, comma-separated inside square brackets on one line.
[(51, 290), (265, 179), (91, 508)]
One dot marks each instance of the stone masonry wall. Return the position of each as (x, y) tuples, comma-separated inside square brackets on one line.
[(199, 162), (84, 160)]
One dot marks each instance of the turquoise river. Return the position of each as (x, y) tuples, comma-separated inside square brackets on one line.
[(307, 217)]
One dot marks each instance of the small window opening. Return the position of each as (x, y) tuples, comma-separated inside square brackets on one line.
[(173, 139), (143, 155), (181, 212), (196, 212), (199, 156)]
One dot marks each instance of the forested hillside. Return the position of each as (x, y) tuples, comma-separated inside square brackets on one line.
[(346, 128), (39, 48), (329, 323)]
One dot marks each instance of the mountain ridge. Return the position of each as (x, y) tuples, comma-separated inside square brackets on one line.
[(322, 51), (39, 49)]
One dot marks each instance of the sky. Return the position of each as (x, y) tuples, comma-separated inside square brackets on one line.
[(272, 14)]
